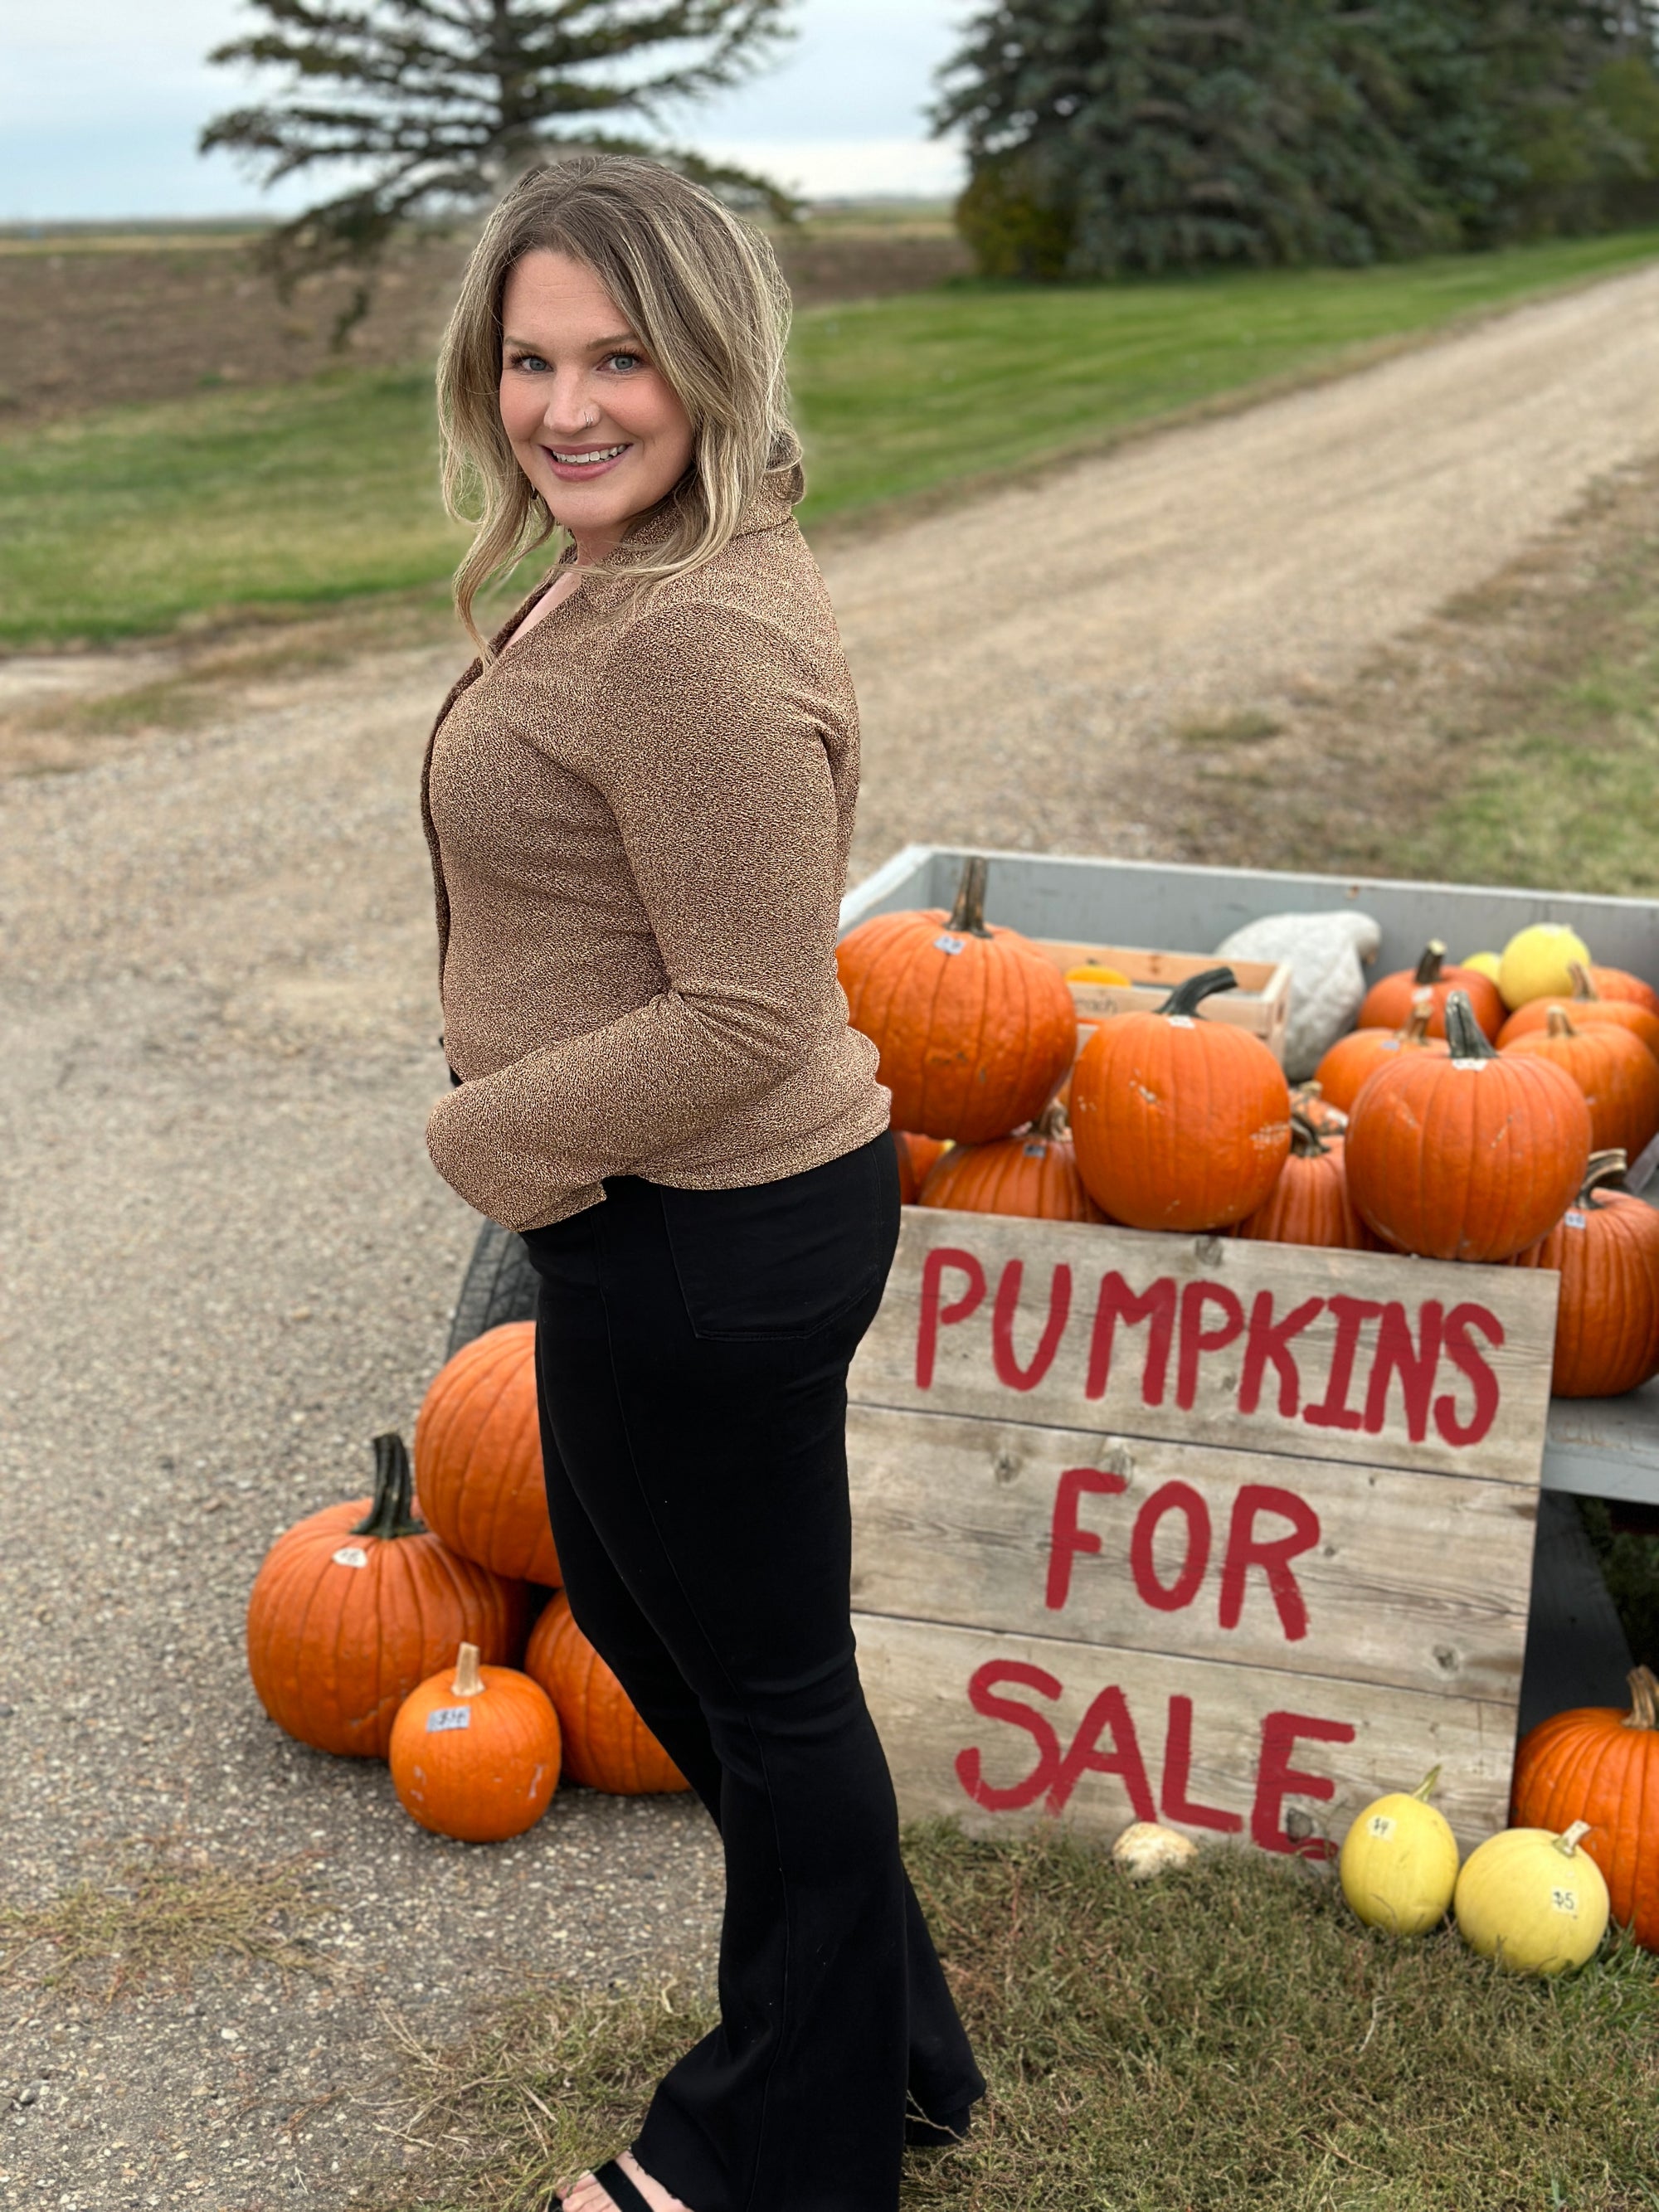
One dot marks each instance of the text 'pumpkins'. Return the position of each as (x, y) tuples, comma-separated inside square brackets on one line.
[(356, 1605), (478, 1456), (1179, 1123), (975, 1027)]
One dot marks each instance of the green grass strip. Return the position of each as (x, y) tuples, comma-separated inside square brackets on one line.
[(138, 520)]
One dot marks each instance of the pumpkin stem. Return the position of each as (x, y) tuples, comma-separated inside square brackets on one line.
[(1052, 1122), (1425, 1788), (1416, 1022), (1558, 1022), (968, 915), (1307, 1141), (1465, 1035), (468, 1681), (1644, 1698), (1583, 983), (1433, 960), (1567, 1842), (389, 1515), (1604, 1167), (1185, 998)]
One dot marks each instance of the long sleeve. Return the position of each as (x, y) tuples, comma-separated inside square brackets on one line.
[(712, 759)]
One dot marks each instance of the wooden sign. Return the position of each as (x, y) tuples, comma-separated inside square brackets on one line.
[(1232, 1535)]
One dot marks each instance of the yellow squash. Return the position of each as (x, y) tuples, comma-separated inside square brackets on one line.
[(1538, 963), (1398, 1866), (1533, 1901), (1489, 964)]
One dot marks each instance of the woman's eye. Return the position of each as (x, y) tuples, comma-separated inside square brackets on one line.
[(624, 363), (530, 360)]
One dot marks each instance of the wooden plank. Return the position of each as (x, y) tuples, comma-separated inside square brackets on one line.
[(1353, 1356), (1245, 1749), (1415, 1579), (1260, 1005)]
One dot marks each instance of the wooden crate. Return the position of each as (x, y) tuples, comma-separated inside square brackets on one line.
[(1231, 1535), (1262, 1004)]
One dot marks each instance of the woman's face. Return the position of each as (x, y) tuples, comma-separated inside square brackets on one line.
[(596, 426)]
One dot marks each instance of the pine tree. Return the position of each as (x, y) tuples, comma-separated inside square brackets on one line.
[(431, 105)]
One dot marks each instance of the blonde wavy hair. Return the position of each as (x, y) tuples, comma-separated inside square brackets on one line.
[(704, 293)]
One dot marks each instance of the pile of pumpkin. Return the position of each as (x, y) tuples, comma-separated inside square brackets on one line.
[(1538, 1896), (1478, 1112), (434, 1635)]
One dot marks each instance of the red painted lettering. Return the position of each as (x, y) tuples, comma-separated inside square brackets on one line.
[(1276, 1779), (1172, 1497), (935, 1316), (1066, 1539), (1269, 1343), (1333, 1411), (1178, 1773), (1196, 1340), (1245, 1550), (1119, 1303), (1472, 1363), (1108, 1712), (1414, 1364), (1003, 1357), (982, 1696)]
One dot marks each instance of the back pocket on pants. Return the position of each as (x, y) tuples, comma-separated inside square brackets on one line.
[(780, 1259)]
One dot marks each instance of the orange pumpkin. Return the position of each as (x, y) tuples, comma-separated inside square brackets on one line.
[(1587, 1009), (355, 1605), (1390, 999), (1310, 1203), (916, 1156), (478, 1456), (1473, 1156), (475, 1752), (1620, 983), (1034, 1174), (1605, 1250), (1618, 1075), (606, 1745), (1601, 1765), (1179, 1122), (1343, 1070), (975, 1027)]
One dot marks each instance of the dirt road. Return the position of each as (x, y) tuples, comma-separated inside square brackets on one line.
[(226, 1263)]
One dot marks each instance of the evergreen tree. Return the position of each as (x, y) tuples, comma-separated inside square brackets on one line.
[(429, 105)]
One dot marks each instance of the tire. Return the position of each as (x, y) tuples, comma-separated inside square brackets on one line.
[(499, 1285)]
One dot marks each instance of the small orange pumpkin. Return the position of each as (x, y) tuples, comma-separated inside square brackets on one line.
[(1618, 1075), (975, 1027), (475, 1752), (1473, 1156), (1033, 1174), (1310, 1203), (1390, 999), (1586, 1007), (1179, 1122), (1343, 1070), (916, 1156), (1618, 984), (356, 1604), (1605, 1250), (478, 1456), (606, 1745), (1602, 1767)]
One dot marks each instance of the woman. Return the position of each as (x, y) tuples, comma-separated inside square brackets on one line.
[(639, 801)]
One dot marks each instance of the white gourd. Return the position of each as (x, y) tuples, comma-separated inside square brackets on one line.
[(1328, 981), (1144, 1849)]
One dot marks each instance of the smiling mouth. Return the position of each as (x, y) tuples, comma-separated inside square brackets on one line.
[(587, 460)]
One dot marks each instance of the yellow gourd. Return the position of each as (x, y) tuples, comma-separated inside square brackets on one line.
[(1484, 963), (1537, 962), (1398, 1866), (1092, 972), (1533, 1901)]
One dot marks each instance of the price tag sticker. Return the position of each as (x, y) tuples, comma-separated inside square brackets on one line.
[(1565, 1901), (1381, 1824), (1573, 1220), (448, 1716), (351, 1555), (949, 945)]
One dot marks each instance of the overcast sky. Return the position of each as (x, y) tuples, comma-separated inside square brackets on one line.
[(101, 102)]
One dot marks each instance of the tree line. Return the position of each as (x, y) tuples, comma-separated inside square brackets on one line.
[(1110, 136)]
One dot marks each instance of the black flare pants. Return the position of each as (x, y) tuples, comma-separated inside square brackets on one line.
[(691, 1356)]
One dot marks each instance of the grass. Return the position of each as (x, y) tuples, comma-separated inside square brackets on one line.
[(1228, 2036), (139, 519), (167, 1912)]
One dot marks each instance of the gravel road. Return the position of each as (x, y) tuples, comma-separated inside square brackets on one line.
[(225, 1262)]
